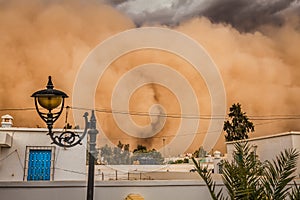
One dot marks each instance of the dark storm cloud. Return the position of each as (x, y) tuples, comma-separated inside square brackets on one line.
[(244, 15)]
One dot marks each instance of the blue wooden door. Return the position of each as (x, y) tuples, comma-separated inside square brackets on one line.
[(39, 165)]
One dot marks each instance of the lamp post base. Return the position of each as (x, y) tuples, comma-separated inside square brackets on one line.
[(91, 172)]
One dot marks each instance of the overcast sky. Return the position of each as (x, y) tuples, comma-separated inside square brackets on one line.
[(245, 15)]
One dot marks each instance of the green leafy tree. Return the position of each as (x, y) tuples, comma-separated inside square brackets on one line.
[(118, 155), (140, 148), (106, 154), (246, 178), (145, 156), (238, 126), (199, 153)]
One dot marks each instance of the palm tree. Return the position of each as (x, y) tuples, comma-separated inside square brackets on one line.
[(247, 178), (295, 193)]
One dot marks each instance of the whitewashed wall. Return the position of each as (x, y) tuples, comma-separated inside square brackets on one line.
[(107, 190), (69, 163), (270, 146)]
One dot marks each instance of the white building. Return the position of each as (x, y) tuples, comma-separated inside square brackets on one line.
[(32, 168), (268, 147), (22, 148)]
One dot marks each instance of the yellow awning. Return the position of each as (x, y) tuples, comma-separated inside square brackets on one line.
[(134, 197)]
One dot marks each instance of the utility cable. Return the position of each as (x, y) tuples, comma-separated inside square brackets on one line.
[(172, 115)]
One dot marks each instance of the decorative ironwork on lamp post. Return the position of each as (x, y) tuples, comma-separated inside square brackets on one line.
[(53, 101)]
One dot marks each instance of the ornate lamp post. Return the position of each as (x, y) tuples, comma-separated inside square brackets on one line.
[(53, 101)]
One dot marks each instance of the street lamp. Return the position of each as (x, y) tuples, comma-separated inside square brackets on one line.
[(53, 101)]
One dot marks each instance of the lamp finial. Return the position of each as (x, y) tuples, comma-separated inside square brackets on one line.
[(50, 84)]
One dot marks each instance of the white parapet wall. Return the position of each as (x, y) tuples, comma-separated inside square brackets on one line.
[(268, 147), (108, 190)]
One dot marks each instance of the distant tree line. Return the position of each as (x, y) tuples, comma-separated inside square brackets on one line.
[(121, 155)]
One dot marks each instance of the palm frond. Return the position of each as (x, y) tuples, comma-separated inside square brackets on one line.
[(295, 193), (206, 175), (246, 178), (242, 176), (279, 173)]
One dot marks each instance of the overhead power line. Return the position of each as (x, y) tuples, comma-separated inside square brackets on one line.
[(15, 109), (172, 115)]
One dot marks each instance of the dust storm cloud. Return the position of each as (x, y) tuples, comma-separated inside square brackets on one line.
[(255, 47)]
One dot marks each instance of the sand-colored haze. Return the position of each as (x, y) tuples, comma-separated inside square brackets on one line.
[(261, 69)]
